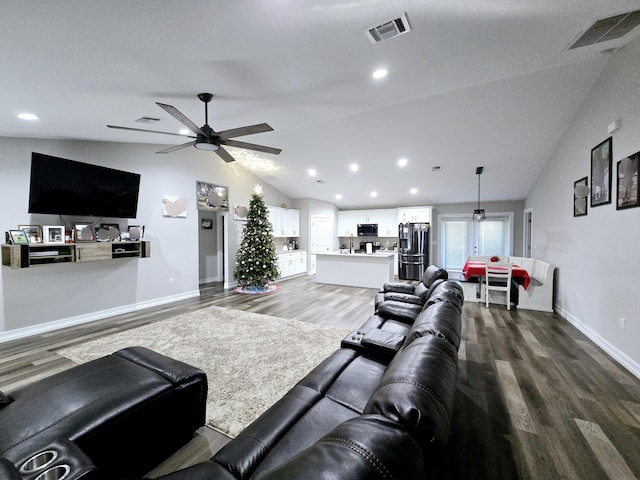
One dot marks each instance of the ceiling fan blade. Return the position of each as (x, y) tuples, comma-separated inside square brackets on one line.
[(251, 146), (175, 113), (150, 131), (177, 147), (241, 131), (224, 155)]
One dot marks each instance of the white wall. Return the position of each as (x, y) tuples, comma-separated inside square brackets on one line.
[(64, 294), (597, 256)]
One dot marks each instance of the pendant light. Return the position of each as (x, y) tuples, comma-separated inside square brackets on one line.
[(478, 213)]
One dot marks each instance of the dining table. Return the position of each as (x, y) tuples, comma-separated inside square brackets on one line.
[(475, 268)]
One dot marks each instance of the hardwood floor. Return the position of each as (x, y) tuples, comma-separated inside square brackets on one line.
[(535, 398)]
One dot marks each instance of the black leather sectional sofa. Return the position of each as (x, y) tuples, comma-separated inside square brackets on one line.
[(379, 407), (111, 418)]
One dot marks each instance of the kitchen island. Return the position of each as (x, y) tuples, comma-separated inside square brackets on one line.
[(355, 269)]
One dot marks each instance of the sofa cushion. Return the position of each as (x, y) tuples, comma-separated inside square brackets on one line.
[(448, 291), (401, 311), (417, 391), (368, 447), (441, 319), (404, 297), (433, 272)]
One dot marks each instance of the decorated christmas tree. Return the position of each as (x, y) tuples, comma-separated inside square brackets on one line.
[(256, 260)]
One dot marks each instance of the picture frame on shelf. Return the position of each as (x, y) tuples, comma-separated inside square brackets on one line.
[(627, 182), (84, 232), (601, 159), (33, 232), (136, 232), (580, 194), (108, 232), (18, 237), (53, 234)]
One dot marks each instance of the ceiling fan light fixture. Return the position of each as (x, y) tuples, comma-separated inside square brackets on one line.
[(208, 144)]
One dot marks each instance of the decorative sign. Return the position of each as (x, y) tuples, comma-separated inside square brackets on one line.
[(174, 206)]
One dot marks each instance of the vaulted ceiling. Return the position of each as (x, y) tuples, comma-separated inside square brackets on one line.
[(474, 82)]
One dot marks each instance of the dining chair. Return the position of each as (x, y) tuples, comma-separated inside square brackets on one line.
[(497, 276)]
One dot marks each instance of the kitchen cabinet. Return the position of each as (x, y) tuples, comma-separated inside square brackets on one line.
[(414, 214), (388, 223), (285, 221), (367, 216), (292, 263), (347, 223)]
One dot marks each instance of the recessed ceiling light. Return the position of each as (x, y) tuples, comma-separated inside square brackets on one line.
[(338, 196), (374, 194), (413, 191), (27, 116), (403, 162), (380, 73), (184, 131), (312, 172), (353, 167)]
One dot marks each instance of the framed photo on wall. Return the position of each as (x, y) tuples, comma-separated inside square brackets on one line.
[(627, 182), (580, 194), (601, 174), (212, 197)]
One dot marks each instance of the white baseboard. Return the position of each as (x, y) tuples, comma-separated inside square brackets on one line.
[(621, 357), (91, 317)]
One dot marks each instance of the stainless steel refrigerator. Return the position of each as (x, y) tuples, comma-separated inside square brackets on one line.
[(413, 250)]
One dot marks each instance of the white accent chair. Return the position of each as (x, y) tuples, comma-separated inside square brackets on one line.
[(497, 277)]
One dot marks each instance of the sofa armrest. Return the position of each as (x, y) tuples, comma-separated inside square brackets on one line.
[(398, 287), (173, 370), (8, 470)]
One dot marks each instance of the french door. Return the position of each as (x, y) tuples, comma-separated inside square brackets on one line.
[(460, 237)]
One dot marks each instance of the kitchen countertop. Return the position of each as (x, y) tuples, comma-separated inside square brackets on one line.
[(280, 252), (379, 253)]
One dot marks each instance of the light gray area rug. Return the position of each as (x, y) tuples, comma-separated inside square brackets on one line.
[(251, 360)]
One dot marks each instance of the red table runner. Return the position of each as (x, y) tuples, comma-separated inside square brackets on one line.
[(476, 269)]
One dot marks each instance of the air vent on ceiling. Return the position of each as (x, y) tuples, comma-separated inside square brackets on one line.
[(388, 29), (437, 169), (148, 120), (606, 29)]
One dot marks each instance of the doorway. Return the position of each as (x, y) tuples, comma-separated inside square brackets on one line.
[(527, 234), (211, 247), (321, 239)]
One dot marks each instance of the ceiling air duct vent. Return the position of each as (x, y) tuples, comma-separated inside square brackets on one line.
[(388, 29), (606, 29)]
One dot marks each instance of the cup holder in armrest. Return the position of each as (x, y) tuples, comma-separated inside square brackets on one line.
[(59, 472), (39, 461)]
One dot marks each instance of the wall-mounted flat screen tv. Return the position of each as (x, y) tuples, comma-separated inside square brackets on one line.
[(66, 187)]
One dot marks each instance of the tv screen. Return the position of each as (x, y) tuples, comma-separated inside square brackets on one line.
[(66, 187)]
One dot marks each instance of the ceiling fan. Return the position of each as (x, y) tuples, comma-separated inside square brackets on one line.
[(208, 139)]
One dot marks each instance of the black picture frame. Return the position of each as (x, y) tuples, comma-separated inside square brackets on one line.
[(627, 182), (580, 194), (18, 237), (601, 159)]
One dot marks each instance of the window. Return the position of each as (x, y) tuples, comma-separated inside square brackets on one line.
[(460, 237)]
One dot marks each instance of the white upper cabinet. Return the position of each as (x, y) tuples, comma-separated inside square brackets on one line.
[(388, 223), (414, 214), (347, 223), (367, 216), (285, 221)]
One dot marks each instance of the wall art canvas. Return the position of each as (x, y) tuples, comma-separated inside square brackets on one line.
[(627, 182), (601, 174), (175, 207), (212, 197)]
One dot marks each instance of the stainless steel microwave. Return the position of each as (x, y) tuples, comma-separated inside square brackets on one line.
[(367, 229)]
